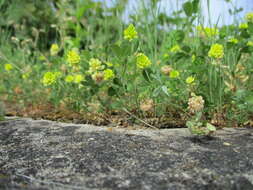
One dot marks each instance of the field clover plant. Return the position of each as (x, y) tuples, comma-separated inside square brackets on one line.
[(82, 60)]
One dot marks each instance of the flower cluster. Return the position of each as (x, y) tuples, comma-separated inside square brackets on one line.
[(175, 49), (73, 58), (78, 78), (250, 43), (69, 78), (174, 74), (195, 103), (193, 58), (142, 61), (249, 17), (207, 32), (243, 26), (95, 65), (108, 74), (98, 71), (50, 78), (8, 67), (130, 33), (25, 75), (216, 51), (233, 40), (95, 69), (190, 80), (54, 49)]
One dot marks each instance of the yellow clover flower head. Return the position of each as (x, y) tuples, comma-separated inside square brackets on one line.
[(174, 74), (109, 64), (108, 74), (25, 75), (142, 61), (73, 58), (216, 51), (207, 31), (211, 31), (250, 43), (249, 17), (69, 78), (190, 80), (50, 78), (8, 67), (166, 55), (95, 65), (54, 49), (130, 33), (193, 58), (42, 58), (243, 26), (233, 40), (175, 49), (58, 74), (78, 78)]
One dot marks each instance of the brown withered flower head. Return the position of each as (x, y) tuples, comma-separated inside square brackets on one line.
[(166, 69), (195, 103), (147, 105), (98, 77)]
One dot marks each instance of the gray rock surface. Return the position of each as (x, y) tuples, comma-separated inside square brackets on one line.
[(43, 155)]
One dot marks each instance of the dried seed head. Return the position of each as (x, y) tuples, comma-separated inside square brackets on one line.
[(147, 105), (196, 104), (93, 107), (166, 69), (18, 90), (98, 77), (63, 68)]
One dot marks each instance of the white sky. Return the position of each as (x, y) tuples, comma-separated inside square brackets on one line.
[(218, 8)]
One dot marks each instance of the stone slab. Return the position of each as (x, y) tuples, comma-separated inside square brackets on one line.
[(43, 155)]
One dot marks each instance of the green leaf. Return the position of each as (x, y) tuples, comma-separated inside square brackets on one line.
[(250, 28), (121, 49), (249, 100), (210, 127), (188, 8), (94, 90), (186, 49), (180, 55), (165, 90), (245, 34), (146, 73), (189, 124), (179, 35), (195, 5), (117, 82), (240, 94), (88, 81), (111, 91), (157, 91)]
